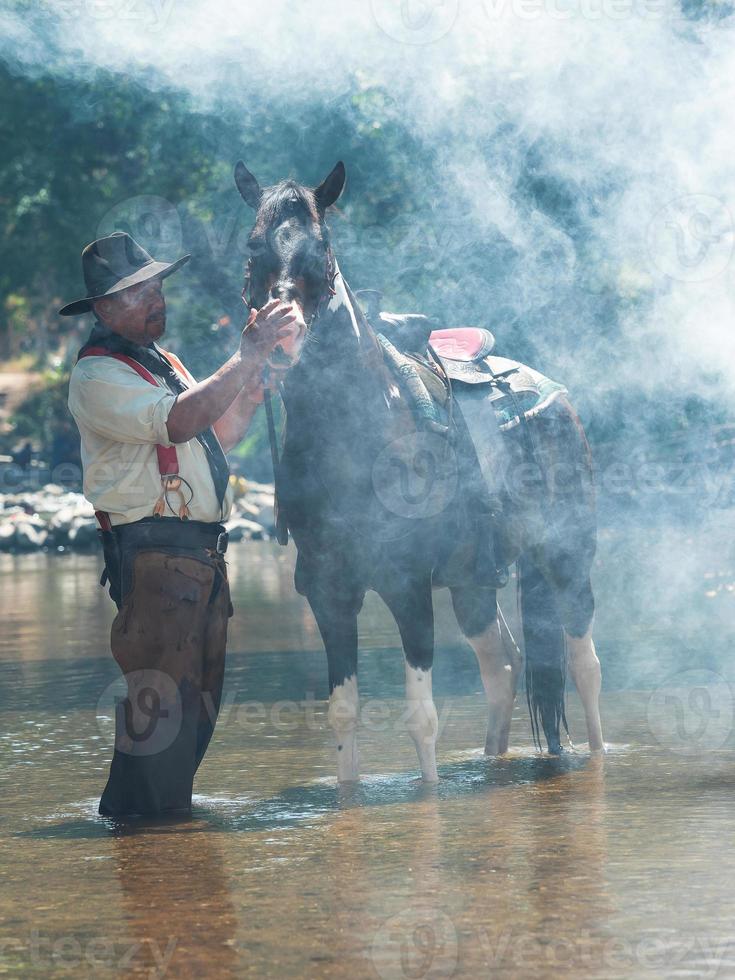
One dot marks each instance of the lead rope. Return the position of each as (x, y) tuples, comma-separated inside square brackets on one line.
[(278, 516)]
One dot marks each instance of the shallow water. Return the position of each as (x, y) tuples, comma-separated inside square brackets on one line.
[(527, 866)]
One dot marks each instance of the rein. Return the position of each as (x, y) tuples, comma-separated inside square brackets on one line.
[(278, 515), (328, 290)]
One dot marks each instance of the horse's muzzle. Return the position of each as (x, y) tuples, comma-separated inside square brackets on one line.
[(287, 352)]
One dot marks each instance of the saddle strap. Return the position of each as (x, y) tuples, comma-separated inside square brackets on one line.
[(423, 405)]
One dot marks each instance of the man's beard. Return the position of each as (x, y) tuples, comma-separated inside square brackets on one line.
[(155, 325)]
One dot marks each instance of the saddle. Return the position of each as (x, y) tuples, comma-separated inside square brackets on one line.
[(516, 391), (441, 369), (416, 356), (463, 348)]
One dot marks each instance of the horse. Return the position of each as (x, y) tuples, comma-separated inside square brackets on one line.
[(347, 425)]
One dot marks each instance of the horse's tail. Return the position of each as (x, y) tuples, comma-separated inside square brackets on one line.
[(546, 665)]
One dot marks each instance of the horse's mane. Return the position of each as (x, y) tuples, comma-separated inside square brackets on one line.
[(274, 201)]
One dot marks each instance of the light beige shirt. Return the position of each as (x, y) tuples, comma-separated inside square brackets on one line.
[(121, 419)]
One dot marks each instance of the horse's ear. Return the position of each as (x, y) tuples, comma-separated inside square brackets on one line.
[(247, 185), (330, 188)]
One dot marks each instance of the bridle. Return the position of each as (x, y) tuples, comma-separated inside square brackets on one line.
[(330, 272), (327, 291)]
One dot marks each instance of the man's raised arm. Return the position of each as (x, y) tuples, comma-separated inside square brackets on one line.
[(206, 403)]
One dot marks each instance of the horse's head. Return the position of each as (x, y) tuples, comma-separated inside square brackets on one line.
[(289, 243)]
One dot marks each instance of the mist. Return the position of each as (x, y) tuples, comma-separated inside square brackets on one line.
[(572, 189)]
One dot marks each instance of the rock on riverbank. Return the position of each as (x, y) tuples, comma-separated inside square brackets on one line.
[(52, 518)]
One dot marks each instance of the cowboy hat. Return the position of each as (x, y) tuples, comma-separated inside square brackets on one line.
[(114, 263)]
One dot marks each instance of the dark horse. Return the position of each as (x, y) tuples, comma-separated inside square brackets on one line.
[(345, 416)]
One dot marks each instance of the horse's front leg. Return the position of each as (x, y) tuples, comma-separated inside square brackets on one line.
[(337, 622), (413, 610)]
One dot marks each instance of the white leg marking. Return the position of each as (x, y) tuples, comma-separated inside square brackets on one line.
[(343, 716), (585, 670), (421, 720), (499, 671)]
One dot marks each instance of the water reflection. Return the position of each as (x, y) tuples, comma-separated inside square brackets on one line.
[(177, 901), (54, 608), (524, 866), (518, 867)]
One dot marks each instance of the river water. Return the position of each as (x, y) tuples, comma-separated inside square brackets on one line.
[(522, 867)]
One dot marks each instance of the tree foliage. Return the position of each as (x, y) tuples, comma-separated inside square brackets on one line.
[(83, 153)]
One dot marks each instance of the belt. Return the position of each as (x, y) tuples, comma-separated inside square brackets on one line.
[(170, 532)]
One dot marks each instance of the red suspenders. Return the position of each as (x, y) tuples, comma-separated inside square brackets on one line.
[(168, 460)]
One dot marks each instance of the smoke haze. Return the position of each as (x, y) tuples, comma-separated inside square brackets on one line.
[(576, 178)]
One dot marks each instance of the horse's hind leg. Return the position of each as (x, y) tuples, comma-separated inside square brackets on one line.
[(337, 624), (566, 539), (477, 614), (587, 676), (576, 604), (413, 610)]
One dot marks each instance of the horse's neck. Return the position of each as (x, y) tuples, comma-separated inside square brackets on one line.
[(342, 394)]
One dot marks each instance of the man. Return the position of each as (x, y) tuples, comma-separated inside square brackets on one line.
[(153, 455)]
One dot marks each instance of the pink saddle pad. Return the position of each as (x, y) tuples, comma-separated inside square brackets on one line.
[(462, 343)]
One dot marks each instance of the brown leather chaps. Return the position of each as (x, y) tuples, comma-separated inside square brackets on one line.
[(169, 640)]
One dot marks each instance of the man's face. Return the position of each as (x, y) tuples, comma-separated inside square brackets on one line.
[(138, 313)]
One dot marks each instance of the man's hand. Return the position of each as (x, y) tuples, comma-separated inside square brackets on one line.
[(286, 321), (221, 399), (266, 328)]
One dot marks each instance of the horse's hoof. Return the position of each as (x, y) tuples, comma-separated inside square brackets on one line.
[(424, 781)]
